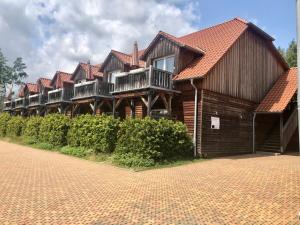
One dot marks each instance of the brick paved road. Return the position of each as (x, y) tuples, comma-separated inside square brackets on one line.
[(40, 187)]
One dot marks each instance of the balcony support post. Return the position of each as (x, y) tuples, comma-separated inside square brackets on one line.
[(149, 104), (132, 108)]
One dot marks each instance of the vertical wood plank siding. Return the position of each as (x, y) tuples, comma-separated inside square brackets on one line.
[(247, 70), (235, 133), (80, 75), (113, 64)]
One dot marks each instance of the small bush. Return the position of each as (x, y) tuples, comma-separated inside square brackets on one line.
[(76, 151), (32, 129), (94, 132), (54, 129), (146, 142), (15, 126), (4, 118), (43, 145)]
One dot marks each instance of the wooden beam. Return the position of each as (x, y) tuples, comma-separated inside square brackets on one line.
[(114, 108), (92, 106), (165, 101), (170, 105), (154, 100), (145, 101), (149, 105), (118, 102)]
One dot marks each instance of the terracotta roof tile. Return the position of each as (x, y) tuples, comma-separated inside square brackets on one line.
[(281, 93), (94, 70), (32, 88), (59, 78), (214, 41), (126, 58), (45, 82)]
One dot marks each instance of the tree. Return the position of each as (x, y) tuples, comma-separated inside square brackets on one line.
[(291, 54), (10, 75)]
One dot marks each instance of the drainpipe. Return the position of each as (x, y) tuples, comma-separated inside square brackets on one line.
[(253, 126), (195, 117)]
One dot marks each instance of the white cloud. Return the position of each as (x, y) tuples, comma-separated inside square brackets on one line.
[(55, 34)]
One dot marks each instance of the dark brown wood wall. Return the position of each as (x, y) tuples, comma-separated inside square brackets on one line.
[(247, 71), (163, 47), (113, 64), (80, 75), (235, 133)]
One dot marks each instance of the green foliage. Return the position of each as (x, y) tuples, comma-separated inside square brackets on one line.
[(76, 151), (54, 129), (94, 132), (4, 118), (15, 126), (146, 142), (43, 145), (290, 54), (32, 129)]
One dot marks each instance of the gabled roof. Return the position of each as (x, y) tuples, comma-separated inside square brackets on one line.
[(123, 57), (45, 82), (86, 67), (213, 42), (281, 93), (21, 91), (32, 88), (59, 78), (177, 41)]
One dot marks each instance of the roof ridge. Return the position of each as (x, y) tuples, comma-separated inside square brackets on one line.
[(216, 25), (120, 52)]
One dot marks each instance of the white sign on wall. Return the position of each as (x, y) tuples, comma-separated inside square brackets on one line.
[(215, 123)]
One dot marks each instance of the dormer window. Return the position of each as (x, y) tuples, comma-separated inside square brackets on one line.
[(165, 63)]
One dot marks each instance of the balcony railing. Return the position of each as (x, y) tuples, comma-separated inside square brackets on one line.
[(143, 78), (8, 105), (92, 89), (36, 100), (60, 95), (20, 103)]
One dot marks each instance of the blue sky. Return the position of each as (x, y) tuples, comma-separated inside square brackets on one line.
[(54, 35), (276, 17)]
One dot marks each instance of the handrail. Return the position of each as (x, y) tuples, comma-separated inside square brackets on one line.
[(143, 78), (290, 127), (92, 88)]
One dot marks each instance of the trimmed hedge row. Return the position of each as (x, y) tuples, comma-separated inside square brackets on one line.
[(133, 142)]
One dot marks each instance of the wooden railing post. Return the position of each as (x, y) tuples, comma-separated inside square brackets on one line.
[(150, 74)]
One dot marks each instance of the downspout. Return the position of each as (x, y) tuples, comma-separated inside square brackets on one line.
[(195, 117), (253, 126)]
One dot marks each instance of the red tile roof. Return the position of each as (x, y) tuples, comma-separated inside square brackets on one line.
[(45, 82), (21, 91), (85, 66), (281, 93), (59, 78), (127, 58), (32, 88)]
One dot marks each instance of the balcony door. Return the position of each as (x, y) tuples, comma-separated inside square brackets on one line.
[(165, 63)]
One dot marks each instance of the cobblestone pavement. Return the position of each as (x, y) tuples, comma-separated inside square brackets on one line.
[(40, 187)]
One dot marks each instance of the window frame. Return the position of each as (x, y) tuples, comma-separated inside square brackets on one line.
[(164, 58)]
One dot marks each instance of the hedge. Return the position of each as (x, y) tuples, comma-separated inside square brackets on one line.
[(4, 118), (32, 130), (54, 129), (146, 142), (15, 126), (94, 132)]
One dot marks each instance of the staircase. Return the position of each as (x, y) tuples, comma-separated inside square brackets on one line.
[(272, 142)]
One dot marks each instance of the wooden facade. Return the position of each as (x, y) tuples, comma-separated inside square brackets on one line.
[(247, 71)]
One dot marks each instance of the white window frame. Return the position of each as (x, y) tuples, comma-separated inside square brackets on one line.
[(115, 72), (165, 61)]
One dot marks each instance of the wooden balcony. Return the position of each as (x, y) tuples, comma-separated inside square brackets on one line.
[(142, 79), (60, 95), (8, 106), (92, 89), (20, 103), (37, 100)]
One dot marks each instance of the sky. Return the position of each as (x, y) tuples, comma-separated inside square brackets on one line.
[(53, 35)]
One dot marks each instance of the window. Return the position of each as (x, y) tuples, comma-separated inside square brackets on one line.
[(165, 63), (112, 76)]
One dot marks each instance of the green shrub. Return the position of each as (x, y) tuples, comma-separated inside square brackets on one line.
[(4, 118), (54, 129), (43, 145), (15, 126), (32, 129), (76, 151), (94, 132), (146, 142)]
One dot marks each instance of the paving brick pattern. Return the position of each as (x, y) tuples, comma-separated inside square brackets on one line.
[(40, 187)]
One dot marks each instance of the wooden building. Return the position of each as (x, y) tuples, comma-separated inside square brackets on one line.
[(59, 98), (37, 102), (91, 94), (224, 82)]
